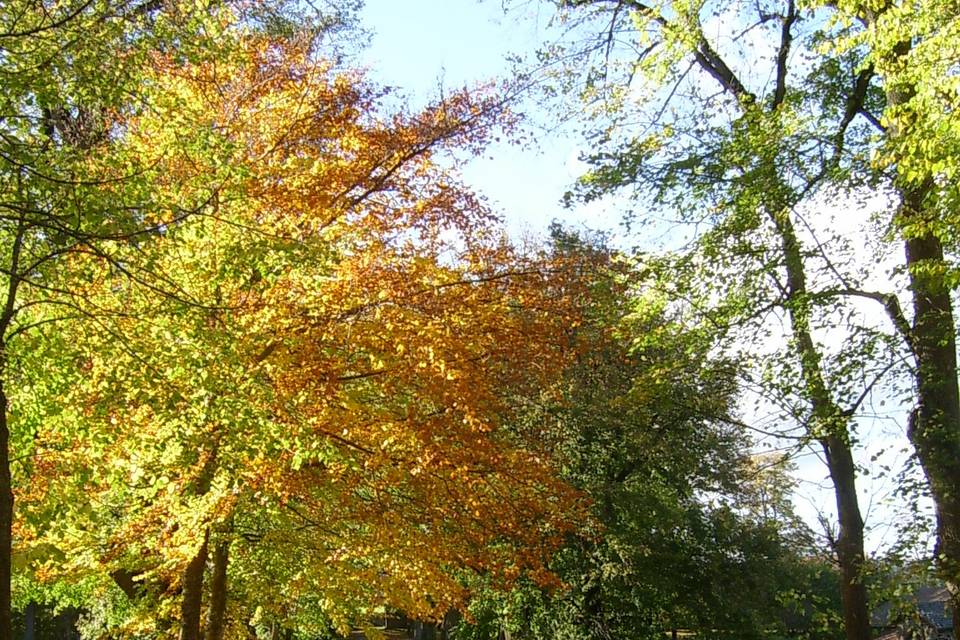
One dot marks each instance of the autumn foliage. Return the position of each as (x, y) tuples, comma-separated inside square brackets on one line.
[(331, 389)]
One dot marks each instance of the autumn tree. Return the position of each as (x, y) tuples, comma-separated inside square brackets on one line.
[(62, 191), (340, 400), (73, 190)]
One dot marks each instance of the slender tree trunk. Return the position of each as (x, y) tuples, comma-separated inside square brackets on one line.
[(192, 602), (830, 426), (30, 622), (450, 622), (849, 543), (217, 609), (191, 606), (6, 484), (6, 513), (424, 631)]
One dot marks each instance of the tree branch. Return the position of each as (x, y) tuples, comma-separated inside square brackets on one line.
[(786, 40), (889, 301), (854, 106)]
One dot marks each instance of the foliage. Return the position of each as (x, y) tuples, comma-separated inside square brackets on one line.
[(910, 47), (326, 390), (645, 429)]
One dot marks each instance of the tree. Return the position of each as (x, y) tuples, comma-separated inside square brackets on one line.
[(904, 50), (333, 421), (74, 188), (743, 176), (68, 183)]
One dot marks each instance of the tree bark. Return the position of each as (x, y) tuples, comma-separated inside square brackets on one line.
[(191, 607), (67, 624), (424, 630), (450, 622), (217, 609), (30, 622), (849, 543), (6, 483), (192, 602)]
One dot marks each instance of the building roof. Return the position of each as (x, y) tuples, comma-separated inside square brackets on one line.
[(930, 602)]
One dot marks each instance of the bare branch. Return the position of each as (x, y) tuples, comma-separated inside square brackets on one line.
[(854, 106), (786, 40), (889, 301)]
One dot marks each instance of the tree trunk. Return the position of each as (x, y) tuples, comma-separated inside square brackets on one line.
[(424, 630), (450, 622), (830, 425), (192, 603), (67, 624), (30, 622), (217, 609), (6, 513), (849, 544), (935, 426)]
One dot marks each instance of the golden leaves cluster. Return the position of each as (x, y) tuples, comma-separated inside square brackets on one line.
[(337, 377)]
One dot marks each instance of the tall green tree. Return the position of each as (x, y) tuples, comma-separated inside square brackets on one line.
[(906, 50), (857, 97), (722, 114)]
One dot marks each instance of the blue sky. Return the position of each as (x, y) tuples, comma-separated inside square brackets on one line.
[(420, 45)]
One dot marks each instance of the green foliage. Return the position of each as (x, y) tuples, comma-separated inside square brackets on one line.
[(682, 538)]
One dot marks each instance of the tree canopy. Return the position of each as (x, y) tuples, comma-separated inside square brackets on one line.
[(269, 367)]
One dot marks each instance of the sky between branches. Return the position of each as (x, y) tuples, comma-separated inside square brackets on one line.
[(425, 47)]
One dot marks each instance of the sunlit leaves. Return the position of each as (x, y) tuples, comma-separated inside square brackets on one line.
[(323, 360)]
